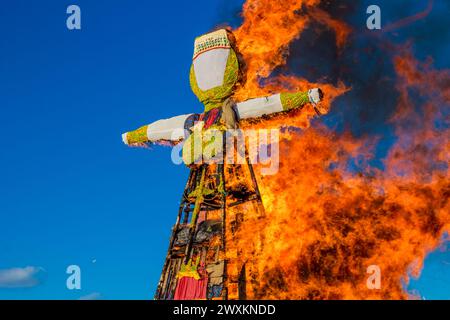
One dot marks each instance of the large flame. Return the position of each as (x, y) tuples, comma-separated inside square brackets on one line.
[(325, 224), (263, 39)]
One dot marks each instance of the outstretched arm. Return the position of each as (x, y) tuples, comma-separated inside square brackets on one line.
[(160, 132), (259, 107)]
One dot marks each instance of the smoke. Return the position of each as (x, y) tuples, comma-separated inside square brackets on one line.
[(366, 62)]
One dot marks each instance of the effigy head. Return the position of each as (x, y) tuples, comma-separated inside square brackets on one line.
[(216, 68)]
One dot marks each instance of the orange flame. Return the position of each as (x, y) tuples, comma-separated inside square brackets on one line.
[(324, 225), (263, 39)]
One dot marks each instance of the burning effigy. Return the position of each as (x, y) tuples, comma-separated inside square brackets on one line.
[(314, 229), (196, 265)]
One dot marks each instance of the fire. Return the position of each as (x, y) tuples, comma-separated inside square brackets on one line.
[(325, 224), (263, 40)]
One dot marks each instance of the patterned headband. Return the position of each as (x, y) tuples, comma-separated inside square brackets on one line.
[(210, 41)]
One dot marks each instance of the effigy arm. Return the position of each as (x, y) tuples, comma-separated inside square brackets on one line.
[(259, 107), (168, 131)]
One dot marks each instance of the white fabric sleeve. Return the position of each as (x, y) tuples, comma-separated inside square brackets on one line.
[(259, 107), (170, 130)]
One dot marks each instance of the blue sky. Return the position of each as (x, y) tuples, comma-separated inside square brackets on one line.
[(70, 191)]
